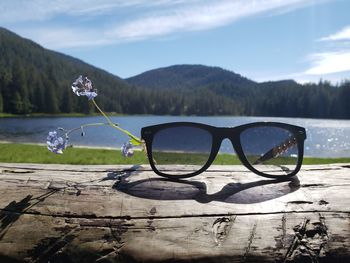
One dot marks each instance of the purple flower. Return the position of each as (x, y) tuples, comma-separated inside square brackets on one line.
[(55, 143), (82, 86), (127, 149)]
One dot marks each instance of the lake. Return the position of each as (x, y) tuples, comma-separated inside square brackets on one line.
[(325, 138)]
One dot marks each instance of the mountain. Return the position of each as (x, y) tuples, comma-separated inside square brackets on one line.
[(242, 96), (188, 77), (37, 80)]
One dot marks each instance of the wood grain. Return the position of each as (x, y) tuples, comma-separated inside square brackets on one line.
[(70, 213)]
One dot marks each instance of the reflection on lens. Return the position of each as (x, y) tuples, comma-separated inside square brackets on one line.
[(187, 146), (271, 150)]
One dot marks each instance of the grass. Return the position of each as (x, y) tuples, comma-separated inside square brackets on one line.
[(28, 153), (226, 159), (7, 115)]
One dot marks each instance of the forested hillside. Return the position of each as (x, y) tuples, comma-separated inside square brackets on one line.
[(33, 79), (188, 77), (37, 80), (284, 98)]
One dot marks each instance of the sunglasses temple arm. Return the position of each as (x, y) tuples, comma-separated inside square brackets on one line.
[(277, 150)]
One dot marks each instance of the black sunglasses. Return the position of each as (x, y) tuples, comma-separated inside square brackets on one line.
[(269, 149)]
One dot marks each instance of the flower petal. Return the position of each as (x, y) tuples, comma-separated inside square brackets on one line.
[(82, 86), (127, 149), (55, 143)]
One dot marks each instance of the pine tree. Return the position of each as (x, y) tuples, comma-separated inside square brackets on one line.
[(51, 101), (1, 103), (67, 102), (85, 106), (16, 103), (19, 89)]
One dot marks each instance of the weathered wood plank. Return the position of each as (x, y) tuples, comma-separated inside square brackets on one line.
[(62, 213), (245, 238)]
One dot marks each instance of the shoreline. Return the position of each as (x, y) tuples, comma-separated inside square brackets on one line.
[(73, 146), (58, 115), (114, 114)]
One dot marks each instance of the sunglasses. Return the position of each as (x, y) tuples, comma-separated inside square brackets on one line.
[(269, 149)]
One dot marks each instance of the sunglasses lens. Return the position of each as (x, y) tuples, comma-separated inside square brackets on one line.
[(186, 146), (270, 150)]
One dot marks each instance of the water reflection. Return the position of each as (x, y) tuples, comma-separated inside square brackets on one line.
[(325, 138)]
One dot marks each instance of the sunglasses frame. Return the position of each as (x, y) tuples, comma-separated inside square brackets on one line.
[(218, 135)]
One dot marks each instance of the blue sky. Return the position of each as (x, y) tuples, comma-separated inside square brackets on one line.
[(261, 39)]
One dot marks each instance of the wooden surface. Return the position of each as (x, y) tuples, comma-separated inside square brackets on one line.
[(62, 213)]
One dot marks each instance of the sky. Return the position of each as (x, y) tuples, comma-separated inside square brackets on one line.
[(305, 40)]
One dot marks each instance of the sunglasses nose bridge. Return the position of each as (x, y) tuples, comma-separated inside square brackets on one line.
[(227, 133), (222, 134), (230, 134)]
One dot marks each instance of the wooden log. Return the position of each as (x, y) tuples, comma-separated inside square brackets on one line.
[(70, 213)]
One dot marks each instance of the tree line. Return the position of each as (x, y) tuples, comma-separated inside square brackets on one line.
[(25, 90)]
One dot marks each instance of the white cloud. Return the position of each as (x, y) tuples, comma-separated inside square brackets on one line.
[(65, 37), (343, 34), (329, 62), (300, 77), (205, 15), (334, 61), (38, 10), (164, 18)]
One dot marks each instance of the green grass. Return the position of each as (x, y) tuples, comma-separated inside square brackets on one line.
[(226, 159), (28, 153), (7, 115), (312, 160)]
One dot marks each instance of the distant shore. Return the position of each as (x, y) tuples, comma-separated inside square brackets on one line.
[(58, 115), (115, 114), (44, 145)]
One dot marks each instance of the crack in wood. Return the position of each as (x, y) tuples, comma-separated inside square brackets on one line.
[(324, 185), (250, 241), (300, 202), (19, 171), (128, 217), (121, 207), (314, 185), (284, 220), (322, 169)]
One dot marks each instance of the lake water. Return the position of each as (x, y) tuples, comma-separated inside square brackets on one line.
[(325, 138)]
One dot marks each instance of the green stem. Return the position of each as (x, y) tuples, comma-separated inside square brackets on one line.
[(135, 139), (104, 115), (86, 125)]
